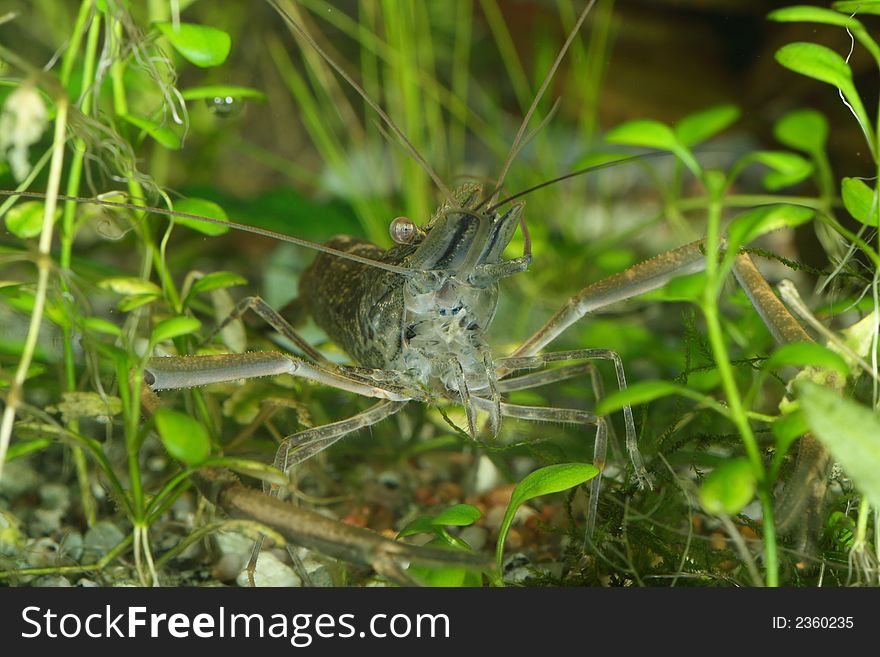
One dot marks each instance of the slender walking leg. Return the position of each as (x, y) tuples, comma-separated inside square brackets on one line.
[(304, 444), (269, 315)]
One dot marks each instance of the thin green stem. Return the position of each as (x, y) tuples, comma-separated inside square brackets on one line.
[(719, 349), (67, 236), (44, 267)]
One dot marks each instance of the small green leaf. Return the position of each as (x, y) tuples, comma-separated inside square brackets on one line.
[(806, 14), (221, 90), (700, 126), (99, 325), (162, 134), (215, 281), (641, 392), (205, 208), (420, 525), (249, 468), (786, 168), (550, 479), (644, 133), (860, 6), (817, 62), (183, 437), (750, 225), (202, 45), (130, 286), (22, 448), (728, 488), (645, 391), (459, 515), (860, 200), (805, 130), (174, 327), (787, 429), (850, 432), (825, 65), (127, 304), (446, 576), (26, 219), (807, 354)]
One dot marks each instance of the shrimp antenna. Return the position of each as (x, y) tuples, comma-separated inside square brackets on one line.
[(300, 30), (574, 174), (281, 237), (514, 149)]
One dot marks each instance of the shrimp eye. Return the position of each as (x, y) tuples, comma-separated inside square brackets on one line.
[(403, 230)]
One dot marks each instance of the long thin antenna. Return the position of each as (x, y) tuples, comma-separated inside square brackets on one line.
[(574, 174), (514, 149), (373, 104), (405, 271)]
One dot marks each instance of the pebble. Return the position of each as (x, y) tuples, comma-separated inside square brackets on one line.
[(54, 581), (474, 536), (319, 574), (41, 552), (270, 573), (55, 496), (45, 521), (18, 478), (100, 539), (72, 545), (495, 516), (488, 476), (515, 568)]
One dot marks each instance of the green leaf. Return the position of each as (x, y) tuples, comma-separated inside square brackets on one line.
[(174, 327), (550, 479), (750, 225), (22, 448), (645, 391), (26, 219), (221, 90), (215, 281), (806, 14), (825, 65), (183, 437), (162, 134), (805, 130), (817, 62), (728, 488), (420, 525), (807, 354), (787, 429), (459, 515), (205, 208), (787, 168), (249, 468), (129, 286), (861, 6), (850, 432), (446, 576), (644, 133), (99, 325), (127, 304), (700, 126), (859, 200), (202, 45)]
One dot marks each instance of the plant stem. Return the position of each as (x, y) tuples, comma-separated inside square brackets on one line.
[(44, 266), (728, 382), (68, 234)]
